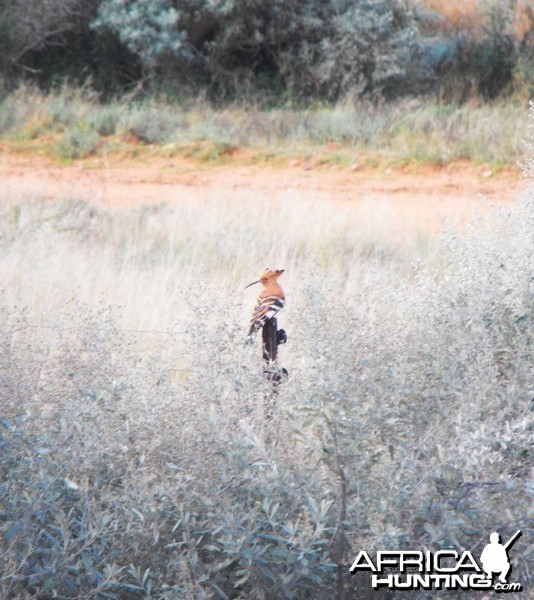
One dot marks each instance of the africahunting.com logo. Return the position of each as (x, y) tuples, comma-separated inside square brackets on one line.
[(445, 569)]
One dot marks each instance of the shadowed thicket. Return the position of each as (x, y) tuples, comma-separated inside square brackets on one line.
[(279, 52), (481, 48)]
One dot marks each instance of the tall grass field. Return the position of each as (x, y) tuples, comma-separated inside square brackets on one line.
[(142, 454)]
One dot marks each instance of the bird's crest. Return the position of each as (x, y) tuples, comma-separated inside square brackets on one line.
[(267, 275)]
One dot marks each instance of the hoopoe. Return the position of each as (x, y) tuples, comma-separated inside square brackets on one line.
[(270, 301)]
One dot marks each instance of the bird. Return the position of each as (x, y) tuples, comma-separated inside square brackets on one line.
[(270, 301)]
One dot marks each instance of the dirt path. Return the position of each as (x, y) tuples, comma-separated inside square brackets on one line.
[(421, 200)]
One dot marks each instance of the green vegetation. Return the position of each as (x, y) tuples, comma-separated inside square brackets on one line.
[(389, 77), (77, 143), (74, 124), (277, 51)]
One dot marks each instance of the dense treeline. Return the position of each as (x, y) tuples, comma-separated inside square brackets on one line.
[(321, 49)]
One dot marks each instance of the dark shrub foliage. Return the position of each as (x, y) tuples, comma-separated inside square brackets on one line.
[(283, 49), (325, 49), (486, 58), (51, 40)]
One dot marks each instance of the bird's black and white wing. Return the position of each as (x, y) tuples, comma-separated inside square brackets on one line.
[(265, 309)]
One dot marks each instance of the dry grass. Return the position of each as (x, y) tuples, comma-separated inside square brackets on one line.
[(123, 476), (71, 124)]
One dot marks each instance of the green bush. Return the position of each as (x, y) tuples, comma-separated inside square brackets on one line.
[(524, 70), (152, 125), (320, 49), (8, 117), (488, 60), (77, 142), (149, 29), (105, 119), (277, 52), (19, 107)]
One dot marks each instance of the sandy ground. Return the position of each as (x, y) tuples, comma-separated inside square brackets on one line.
[(421, 199)]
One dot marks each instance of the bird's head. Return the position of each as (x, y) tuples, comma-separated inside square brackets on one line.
[(267, 276)]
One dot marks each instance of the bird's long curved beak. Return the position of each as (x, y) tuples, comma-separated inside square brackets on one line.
[(254, 282)]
